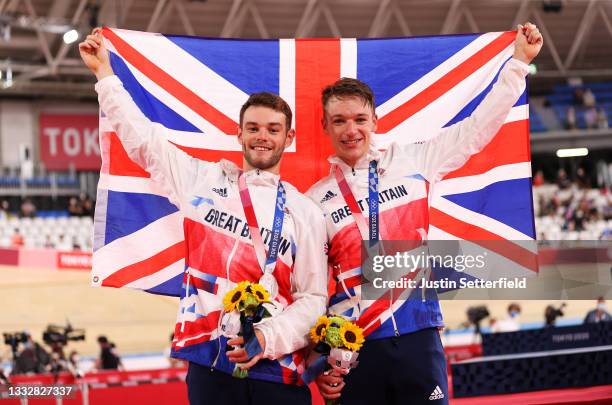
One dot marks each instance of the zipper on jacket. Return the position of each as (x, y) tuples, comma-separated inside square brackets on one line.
[(353, 170), (393, 316)]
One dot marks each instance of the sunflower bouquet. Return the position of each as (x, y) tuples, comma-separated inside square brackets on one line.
[(244, 307), (337, 340)]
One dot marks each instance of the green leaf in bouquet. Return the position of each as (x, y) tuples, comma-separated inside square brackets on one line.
[(240, 373), (333, 337)]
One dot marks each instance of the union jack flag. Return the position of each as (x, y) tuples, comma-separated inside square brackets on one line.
[(194, 87)]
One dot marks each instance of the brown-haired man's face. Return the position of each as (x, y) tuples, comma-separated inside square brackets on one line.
[(350, 123), (264, 136)]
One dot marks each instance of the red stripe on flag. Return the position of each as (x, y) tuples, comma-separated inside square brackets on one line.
[(445, 83), (146, 267), (508, 147), (171, 85), (384, 303), (120, 163), (488, 240), (317, 64)]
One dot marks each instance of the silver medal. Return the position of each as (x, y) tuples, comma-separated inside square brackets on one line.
[(268, 282), (230, 324)]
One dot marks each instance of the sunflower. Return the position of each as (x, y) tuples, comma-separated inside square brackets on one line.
[(352, 336), (260, 293), (233, 297), (317, 332)]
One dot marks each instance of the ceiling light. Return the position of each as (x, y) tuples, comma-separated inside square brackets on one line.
[(572, 152), (71, 36)]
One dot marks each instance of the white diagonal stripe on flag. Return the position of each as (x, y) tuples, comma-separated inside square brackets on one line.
[(159, 277), (196, 76), (479, 220), (112, 257), (426, 123), (436, 73), (467, 184)]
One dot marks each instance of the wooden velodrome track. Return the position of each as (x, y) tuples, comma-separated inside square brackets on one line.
[(138, 322)]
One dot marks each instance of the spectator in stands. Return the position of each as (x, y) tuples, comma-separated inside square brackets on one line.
[(562, 180), (588, 99), (4, 209), (602, 119), (582, 180), (17, 239), (570, 118), (590, 117), (599, 314), (109, 359), (27, 209), (538, 179), (64, 243), (86, 205), (48, 242), (578, 214), (579, 96), (511, 323), (74, 208)]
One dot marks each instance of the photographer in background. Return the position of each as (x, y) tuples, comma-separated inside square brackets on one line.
[(32, 359), (109, 359), (551, 314)]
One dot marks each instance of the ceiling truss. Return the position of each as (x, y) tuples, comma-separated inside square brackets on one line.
[(57, 62)]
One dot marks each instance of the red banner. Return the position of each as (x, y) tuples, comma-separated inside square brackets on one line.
[(74, 260), (69, 140)]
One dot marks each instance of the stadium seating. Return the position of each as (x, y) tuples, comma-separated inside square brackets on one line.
[(563, 97), (60, 232)]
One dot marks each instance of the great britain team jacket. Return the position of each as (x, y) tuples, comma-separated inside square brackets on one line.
[(406, 174), (218, 249)]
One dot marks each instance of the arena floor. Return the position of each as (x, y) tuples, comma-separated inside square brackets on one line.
[(142, 323), (135, 321)]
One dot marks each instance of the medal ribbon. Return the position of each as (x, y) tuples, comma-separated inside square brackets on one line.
[(277, 225), (372, 231)]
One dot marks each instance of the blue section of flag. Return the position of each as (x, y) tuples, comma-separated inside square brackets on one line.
[(252, 66), (506, 201), (471, 106), (388, 66), (339, 297), (171, 287), (127, 214), (413, 315), (448, 273), (150, 106)]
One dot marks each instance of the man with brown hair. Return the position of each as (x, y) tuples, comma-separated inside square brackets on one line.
[(402, 360), (215, 199)]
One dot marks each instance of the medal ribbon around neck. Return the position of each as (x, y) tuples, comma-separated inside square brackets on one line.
[(277, 227), (370, 232)]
